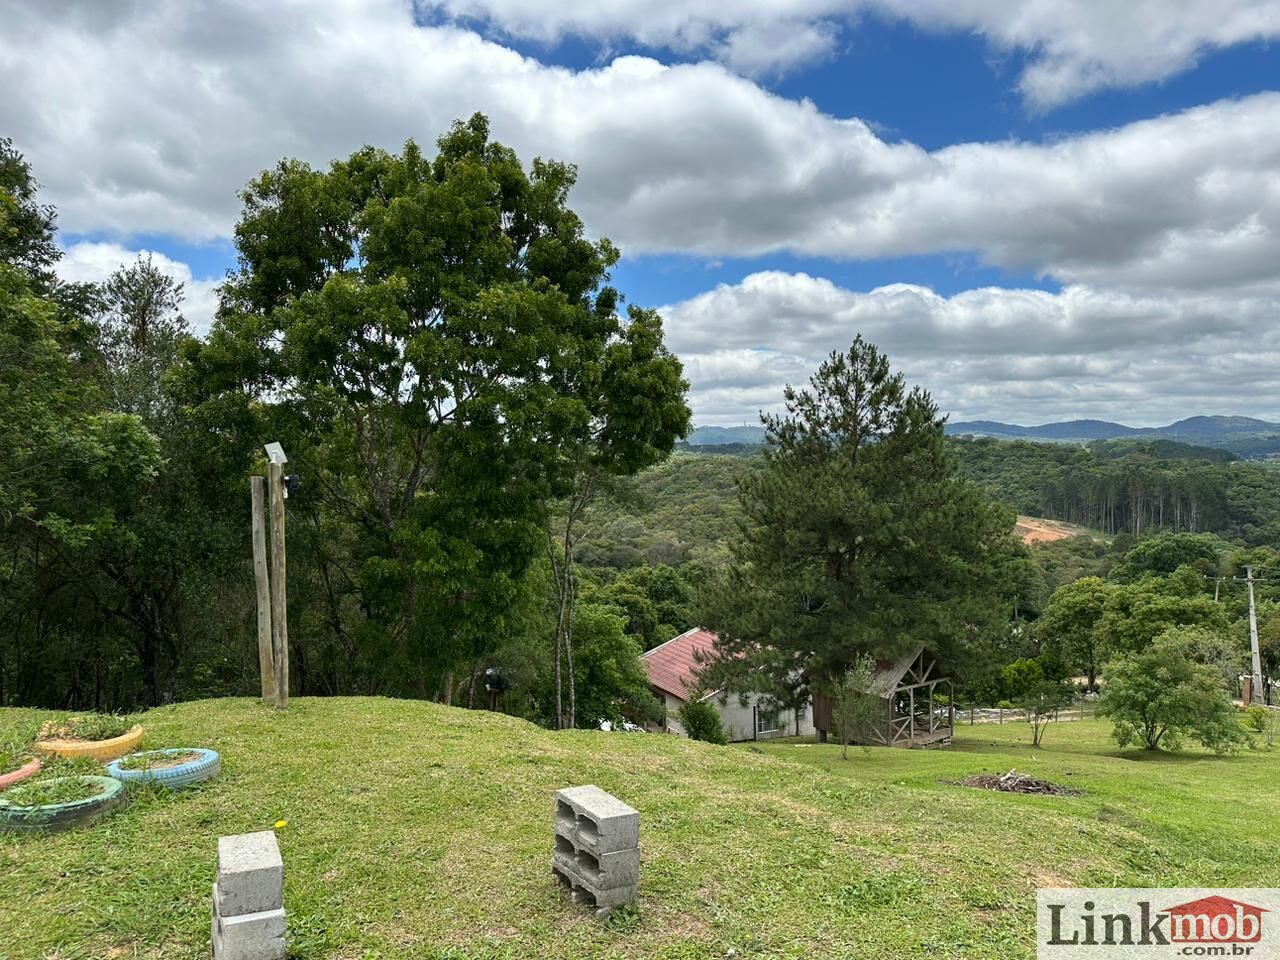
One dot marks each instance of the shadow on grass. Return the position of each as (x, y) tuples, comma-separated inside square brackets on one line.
[(1050, 748)]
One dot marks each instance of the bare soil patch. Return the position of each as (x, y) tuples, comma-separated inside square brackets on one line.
[(1032, 530)]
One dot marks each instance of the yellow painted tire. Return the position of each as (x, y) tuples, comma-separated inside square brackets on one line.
[(100, 750)]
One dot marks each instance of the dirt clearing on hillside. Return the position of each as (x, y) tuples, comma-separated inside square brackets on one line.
[(1033, 530)]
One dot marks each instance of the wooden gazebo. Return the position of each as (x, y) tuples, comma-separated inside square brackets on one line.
[(911, 716)]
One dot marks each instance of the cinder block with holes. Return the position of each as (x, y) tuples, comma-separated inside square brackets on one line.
[(248, 899), (596, 820), (597, 855)]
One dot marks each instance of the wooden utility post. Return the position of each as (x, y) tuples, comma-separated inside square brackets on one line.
[(279, 606), (266, 656)]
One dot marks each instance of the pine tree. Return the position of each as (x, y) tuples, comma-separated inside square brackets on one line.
[(859, 537)]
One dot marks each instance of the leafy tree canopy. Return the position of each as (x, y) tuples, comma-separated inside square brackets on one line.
[(1135, 614), (430, 338), (1069, 624), (1158, 698), (1163, 554)]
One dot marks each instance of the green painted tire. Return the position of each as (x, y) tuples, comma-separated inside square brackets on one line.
[(53, 817)]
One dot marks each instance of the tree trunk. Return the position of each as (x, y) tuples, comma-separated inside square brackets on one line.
[(568, 628)]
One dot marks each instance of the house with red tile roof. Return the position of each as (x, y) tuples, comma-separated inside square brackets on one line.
[(673, 675)]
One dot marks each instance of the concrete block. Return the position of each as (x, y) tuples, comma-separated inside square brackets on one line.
[(595, 820), (608, 871), (251, 936), (584, 893), (250, 874)]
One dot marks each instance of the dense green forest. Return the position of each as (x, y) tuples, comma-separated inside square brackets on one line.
[(1125, 486), (1112, 486)]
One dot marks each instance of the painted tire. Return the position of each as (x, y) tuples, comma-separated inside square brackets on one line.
[(100, 750), (206, 767), (53, 817), (17, 776)]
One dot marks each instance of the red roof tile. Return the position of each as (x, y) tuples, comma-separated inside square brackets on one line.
[(671, 665)]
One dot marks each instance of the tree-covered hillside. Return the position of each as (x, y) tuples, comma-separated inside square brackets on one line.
[(1130, 486), (685, 508)]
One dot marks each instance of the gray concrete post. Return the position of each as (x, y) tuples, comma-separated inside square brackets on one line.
[(248, 899)]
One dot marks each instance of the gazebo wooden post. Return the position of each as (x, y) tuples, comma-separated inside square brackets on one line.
[(911, 716)]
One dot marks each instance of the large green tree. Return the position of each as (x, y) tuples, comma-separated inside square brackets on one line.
[(434, 339), (1135, 614), (1069, 624), (859, 536), (1162, 555)]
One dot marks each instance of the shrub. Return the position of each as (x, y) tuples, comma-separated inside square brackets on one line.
[(1255, 718), (701, 721), (1158, 697), (1020, 678)]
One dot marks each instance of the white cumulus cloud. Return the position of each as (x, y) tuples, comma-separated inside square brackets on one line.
[(1021, 355), (94, 262), (144, 119), (1073, 47)]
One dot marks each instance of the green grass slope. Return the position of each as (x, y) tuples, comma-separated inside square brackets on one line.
[(416, 830)]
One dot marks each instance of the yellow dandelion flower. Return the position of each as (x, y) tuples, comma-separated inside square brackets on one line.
[(281, 824)]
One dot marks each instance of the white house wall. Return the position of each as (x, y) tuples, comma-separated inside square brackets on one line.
[(739, 720)]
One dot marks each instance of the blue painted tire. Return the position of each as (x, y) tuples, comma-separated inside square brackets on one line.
[(206, 767), (53, 817)]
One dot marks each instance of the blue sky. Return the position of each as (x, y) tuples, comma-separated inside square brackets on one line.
[(1039, 210)]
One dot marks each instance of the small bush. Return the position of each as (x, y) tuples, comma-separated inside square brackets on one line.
[(1255, 718), (701, 722)]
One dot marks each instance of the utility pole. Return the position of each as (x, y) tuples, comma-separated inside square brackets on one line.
[(266, 655), (279, 608), (279, 487), (1255, 688), (1217, 583)]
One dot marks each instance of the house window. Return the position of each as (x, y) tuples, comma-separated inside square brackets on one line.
[(766, 721)]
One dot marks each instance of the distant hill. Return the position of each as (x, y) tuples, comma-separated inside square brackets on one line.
[(722, 436), (1244, 436), (1067, 431)]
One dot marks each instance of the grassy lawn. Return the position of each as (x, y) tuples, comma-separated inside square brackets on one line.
[(416, 830)]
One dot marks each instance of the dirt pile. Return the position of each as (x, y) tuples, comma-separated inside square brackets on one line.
[(1015, 782)]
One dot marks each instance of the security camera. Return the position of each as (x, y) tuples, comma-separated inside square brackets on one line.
[(292, 484)]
